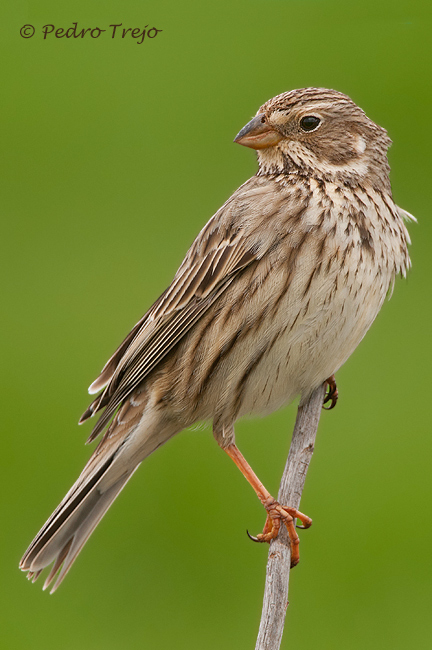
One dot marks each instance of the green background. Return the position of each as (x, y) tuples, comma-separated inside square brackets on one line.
[(113, 156)]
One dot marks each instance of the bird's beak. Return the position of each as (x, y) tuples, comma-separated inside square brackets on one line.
[(257, 134)]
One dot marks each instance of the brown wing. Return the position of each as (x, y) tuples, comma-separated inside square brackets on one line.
[(208, 269)]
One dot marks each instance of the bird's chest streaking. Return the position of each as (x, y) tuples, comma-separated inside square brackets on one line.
[(309, 301)]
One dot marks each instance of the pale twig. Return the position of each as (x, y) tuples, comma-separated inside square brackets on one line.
[(293, 479)]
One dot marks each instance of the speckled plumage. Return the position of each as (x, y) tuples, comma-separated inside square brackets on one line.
[(273, 296)]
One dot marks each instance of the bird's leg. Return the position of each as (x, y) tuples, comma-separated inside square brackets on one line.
[(332, 393), (275, 512)]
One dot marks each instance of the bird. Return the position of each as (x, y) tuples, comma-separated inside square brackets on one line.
[(273, 296)]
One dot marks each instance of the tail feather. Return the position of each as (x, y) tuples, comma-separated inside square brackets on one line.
[(131, 437), (72, 507), (66, 531), (75, 544)]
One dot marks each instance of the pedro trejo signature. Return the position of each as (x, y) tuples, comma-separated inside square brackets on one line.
[(115, 31)]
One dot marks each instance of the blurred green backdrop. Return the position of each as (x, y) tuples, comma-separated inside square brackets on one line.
[(113, 156)]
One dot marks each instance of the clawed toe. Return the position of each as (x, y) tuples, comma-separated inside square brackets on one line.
[(275, 514), (252, 537), (332, 393)]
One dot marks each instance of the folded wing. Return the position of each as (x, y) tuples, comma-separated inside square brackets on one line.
[(208, 269)]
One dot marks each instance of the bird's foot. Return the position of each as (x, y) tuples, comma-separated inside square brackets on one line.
[(277, 514), (332, 393)]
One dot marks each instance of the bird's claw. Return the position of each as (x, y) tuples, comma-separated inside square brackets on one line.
[(252, 537), (275, 514), (332, 393)]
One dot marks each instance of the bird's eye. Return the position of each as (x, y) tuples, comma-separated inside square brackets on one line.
[(309, 123)]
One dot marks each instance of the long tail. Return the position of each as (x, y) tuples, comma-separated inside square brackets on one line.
[(71, 524)]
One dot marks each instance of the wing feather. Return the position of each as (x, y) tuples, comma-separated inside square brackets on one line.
[(200, 280)]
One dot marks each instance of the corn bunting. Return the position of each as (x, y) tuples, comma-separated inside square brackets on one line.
[(273, 296)]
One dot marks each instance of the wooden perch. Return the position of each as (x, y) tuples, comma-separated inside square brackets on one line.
[(279, 559)]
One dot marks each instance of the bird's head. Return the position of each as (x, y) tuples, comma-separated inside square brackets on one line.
[(317, 132)]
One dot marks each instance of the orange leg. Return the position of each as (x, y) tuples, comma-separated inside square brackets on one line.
[(275, 512), (332, 393)]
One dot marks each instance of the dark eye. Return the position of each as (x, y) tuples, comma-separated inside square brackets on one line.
[(309, 123)]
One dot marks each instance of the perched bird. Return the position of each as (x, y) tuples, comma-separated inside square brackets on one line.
[(273, 296)]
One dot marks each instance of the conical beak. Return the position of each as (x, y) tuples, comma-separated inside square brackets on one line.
[(257, 134)]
